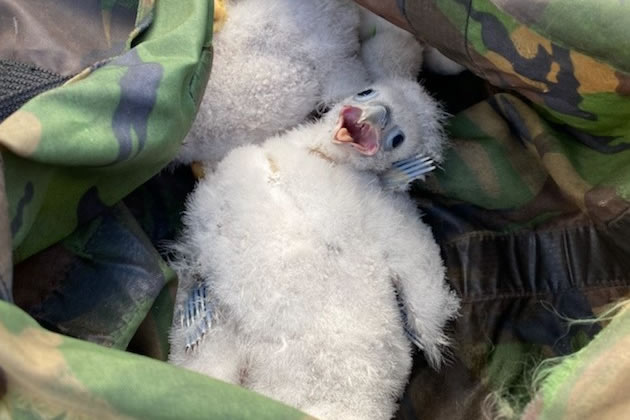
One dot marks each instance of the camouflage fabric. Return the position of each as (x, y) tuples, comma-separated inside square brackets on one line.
[(46, 375), (593, 383), (530, 209), (131, 289), (84, 262), (59, 177)]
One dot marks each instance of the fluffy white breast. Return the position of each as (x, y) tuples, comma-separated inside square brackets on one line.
[(285, 233)]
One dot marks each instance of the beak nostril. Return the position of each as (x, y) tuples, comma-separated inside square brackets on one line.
[(376, 114), (387, 116)]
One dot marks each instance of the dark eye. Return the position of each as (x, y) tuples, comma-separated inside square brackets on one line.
[(397, 140), (394, 139), (365, 95)]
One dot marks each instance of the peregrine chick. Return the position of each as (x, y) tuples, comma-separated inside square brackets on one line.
[(274, 63), (313, 282)]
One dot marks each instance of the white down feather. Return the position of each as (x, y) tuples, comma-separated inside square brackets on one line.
[(303, 254)]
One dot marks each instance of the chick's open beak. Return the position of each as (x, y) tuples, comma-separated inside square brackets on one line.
[(361, 127)]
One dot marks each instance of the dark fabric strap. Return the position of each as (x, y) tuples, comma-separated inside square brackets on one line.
[(21, 82)]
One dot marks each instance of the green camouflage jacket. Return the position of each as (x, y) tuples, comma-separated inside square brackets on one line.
[(530, 208)]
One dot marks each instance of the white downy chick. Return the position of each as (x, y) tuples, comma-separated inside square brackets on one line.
[(274, 62), (390, 51), (386, 49), (310, 281)]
